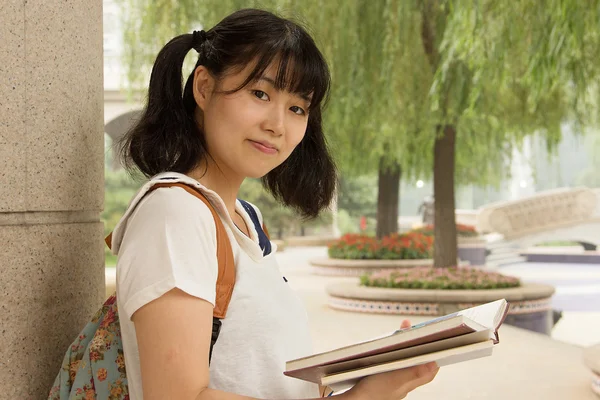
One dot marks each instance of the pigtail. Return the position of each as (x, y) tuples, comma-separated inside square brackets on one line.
[(166, 137)]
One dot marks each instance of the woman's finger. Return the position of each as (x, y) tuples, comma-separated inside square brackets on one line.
[(405, 324), (419, 375)]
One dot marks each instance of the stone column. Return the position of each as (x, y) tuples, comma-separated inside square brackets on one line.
[(51, 185)]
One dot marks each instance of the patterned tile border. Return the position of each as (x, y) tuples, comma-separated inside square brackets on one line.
[(391, 307), (340, 271), (354, 271), (383, 307), (596, 383), (521, 307)]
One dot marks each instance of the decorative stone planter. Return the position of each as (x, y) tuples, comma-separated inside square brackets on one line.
[(342, 267), (592, 361), (562, 255), (530, 304), (472, 250)]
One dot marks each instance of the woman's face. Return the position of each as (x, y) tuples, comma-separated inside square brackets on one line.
[(251, 131)]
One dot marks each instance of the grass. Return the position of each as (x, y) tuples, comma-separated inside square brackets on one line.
[(557, 243)]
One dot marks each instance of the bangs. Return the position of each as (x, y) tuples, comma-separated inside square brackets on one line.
[(301, 69)]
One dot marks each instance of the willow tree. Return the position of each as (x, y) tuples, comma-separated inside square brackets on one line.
[(422, 87), (502, 70)]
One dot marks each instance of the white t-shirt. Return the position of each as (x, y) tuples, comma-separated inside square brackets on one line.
[(167, 240)]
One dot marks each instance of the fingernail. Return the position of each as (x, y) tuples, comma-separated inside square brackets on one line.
[(432, 366)]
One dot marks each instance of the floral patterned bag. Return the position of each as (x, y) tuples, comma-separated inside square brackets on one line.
[(94, 365)]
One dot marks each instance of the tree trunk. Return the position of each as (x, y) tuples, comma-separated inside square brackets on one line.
[(445, 245), (388, 198)]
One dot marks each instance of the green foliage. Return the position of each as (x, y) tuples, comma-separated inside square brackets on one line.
[(358, 196), (351, 224), (280, 221), (590, 177), (119, 189), (453, 278), (496, 71), (495, 79), (558, 243)]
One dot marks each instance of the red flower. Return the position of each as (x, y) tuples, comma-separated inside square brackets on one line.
[(102, 374), (109, 318)]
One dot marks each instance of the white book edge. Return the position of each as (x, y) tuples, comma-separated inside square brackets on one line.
[(483, 317), (314, 374), (418, 331), (348, 379)]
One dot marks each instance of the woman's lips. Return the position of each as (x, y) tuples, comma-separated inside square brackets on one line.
[(264, 147)]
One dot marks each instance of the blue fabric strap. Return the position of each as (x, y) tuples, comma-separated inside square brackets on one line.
[(263, 240)]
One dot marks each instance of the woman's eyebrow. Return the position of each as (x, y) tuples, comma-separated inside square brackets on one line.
[(272, 83)]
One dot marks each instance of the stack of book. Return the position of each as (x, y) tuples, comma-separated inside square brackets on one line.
[(453, 338)]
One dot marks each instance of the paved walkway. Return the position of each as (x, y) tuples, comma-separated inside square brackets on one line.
[(577, 295), (525, 365)]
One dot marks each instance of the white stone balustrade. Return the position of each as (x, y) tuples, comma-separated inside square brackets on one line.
[(542, 212)]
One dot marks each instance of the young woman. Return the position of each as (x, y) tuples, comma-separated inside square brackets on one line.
[(250, 108)]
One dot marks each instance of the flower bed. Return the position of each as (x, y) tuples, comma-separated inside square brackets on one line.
[(410, 246), (462, 230), (453, 278)]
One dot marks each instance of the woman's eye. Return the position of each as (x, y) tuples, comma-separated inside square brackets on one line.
[(298, 110), (261, 95)]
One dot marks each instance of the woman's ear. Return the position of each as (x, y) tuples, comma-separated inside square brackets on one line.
[(203, 86)]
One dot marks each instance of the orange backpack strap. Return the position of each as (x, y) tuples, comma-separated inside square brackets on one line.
[(266, 231), (225, 260)]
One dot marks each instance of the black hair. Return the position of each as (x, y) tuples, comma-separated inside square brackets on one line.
[(168, 138)]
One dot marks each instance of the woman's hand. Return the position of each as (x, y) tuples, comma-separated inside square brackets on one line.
[(393, 385)]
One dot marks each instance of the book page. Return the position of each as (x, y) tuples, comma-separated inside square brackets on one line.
[(315, 374), (443, 358), (485, 314)]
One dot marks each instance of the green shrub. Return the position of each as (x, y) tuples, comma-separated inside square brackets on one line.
[(453, 278)]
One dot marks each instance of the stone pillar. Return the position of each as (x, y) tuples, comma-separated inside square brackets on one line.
[(51, 185)]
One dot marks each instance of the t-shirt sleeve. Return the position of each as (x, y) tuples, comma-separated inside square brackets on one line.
[(169, 242)]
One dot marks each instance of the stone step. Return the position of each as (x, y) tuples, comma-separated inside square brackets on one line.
[(499, 243), (501, 255), (505, 250), (499, 262)]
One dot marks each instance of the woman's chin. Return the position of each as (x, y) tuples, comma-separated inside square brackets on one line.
[(257, 173)]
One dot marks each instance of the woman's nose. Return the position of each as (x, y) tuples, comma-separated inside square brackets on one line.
[(275, 121)]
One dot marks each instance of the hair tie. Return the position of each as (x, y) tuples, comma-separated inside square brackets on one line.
[(198, 38)]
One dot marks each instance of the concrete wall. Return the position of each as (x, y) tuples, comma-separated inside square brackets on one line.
[(51, 185)]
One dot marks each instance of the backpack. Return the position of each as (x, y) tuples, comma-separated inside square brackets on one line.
[(94, 365)]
